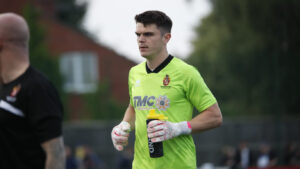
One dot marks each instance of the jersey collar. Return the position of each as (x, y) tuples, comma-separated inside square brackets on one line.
[(18, 79), (161, 66)]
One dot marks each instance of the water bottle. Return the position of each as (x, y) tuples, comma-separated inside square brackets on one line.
[(155, 149)]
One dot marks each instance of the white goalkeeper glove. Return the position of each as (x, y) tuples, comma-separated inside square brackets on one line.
[(164, 130), (120, 134)]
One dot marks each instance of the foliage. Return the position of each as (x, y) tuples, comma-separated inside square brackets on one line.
[(71, 12), (101, 105), (247, 53), (40, 56)]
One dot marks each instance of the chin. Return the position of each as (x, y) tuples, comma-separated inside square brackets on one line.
[(144, 55)]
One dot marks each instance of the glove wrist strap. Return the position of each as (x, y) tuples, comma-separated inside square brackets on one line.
[(185, 127)]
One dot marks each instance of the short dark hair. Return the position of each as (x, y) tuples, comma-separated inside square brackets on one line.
[(160, 19)]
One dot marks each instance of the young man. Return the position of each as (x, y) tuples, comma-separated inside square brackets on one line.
[(30, 109), (171, 87)]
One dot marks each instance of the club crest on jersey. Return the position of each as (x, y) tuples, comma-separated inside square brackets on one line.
[(12, 97), (166, 80)]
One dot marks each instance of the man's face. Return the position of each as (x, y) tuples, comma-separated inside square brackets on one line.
[(150, 41)]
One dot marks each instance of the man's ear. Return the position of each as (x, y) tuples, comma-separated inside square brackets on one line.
[(167, 37)]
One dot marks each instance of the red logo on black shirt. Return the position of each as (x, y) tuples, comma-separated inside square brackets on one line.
[(166, 80), (15, 90)]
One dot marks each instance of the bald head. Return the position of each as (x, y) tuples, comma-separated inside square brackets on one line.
[(14, 52), (14, 30)]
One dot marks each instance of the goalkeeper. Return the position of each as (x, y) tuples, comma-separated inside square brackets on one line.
[(171, 87)]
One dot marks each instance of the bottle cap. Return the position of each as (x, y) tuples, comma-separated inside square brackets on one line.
[(153, 115)]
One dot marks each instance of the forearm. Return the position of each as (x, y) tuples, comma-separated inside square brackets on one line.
[(159, 130), (55, 156), (208, 119), (129, 116)]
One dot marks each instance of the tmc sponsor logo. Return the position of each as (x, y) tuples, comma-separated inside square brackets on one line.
[(147, 102)]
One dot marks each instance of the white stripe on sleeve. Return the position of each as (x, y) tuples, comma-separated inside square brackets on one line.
[(6, 106)]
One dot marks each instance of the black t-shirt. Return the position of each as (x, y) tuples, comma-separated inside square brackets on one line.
[(30, 114)]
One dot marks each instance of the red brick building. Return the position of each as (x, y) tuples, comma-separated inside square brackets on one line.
[(83, 62)]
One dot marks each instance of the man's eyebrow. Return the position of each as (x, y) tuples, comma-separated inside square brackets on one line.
[(145, 33), (148, 33), (138, 34)]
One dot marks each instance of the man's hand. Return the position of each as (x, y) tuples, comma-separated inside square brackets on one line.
[(120, 134), (163, 130)]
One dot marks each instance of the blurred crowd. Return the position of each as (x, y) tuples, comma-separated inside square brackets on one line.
[(83, 157), (264, 156), (240, 157)]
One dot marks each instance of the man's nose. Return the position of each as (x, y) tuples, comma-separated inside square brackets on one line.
[(141, 38)]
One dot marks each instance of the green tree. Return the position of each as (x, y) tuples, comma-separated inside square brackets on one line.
[(247, 52), (40, 56), (101, 104), (71, 12)]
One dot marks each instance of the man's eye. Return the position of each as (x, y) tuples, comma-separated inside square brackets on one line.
[(148, 34)]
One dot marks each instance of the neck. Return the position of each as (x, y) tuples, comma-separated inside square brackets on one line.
[(13, 74), (157, 60), (12, 69)]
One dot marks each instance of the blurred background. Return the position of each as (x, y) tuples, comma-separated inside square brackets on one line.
[(247, 51)]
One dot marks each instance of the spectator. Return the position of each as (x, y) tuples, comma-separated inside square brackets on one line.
[(243, 156), (91, 160), (289, 153), (228, 154), (71, 161), (266, 157)]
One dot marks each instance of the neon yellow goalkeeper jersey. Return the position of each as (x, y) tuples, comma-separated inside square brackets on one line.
[(173, 91)]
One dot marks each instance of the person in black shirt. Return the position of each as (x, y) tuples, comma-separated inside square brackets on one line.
[(30, 108)]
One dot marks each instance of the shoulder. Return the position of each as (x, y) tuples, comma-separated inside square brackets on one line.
[(138, 68), (38, 77), (37, 81), (183, 68)]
